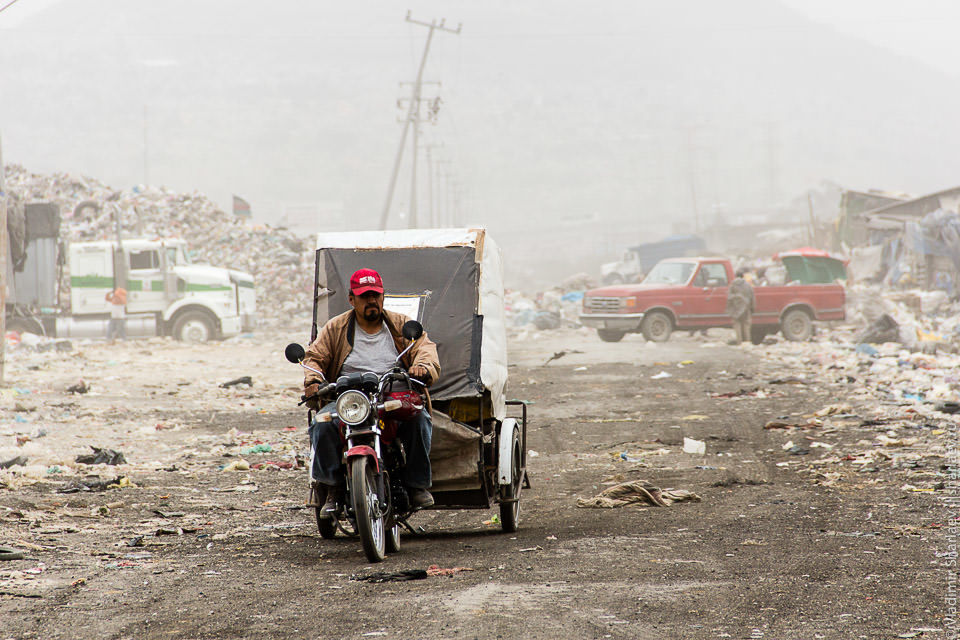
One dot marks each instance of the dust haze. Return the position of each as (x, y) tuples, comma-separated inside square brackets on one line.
[(570, 133)]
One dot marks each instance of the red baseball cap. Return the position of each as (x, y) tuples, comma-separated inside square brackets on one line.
[(364, 280)]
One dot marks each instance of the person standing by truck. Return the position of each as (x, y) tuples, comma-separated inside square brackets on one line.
[(740, 306), (117, 327)]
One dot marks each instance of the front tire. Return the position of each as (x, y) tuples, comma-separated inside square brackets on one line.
[(797, 325), (366, 509), (611, 335), (656, 326), (195, 327)]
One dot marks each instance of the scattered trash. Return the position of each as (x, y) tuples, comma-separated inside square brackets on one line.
[(9, 553), (435, 570), (636, 492), (237, 465), (95, 483), (560, 354), (19, 461), (532, 454), (867, 349), (247, 380), (102, 456), (948, 407), (391, 576), (697, 447), (660, 376), (79, 388), (259, 448)]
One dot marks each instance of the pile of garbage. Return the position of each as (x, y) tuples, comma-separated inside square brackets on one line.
[(554, 308), (280, 261)]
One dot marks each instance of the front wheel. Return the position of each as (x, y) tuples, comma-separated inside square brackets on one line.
[(797, 325), (510, 508), (367, 509), (194, 326), (656, 327), (611, 335)]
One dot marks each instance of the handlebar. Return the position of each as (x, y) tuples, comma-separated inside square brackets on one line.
[(322, 391)]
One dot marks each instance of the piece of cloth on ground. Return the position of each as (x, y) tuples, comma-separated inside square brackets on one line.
[(636, 492)]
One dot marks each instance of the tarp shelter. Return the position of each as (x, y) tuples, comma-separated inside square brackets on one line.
[(808, 265), (451, 280)]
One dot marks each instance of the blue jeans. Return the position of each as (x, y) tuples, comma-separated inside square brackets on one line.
[(327, 451), (117, 328)]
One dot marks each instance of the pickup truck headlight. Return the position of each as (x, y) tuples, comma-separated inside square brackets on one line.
[(630, 303), (353, 407)]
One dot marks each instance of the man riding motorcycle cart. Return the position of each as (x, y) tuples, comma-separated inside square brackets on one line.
[(367, 338)]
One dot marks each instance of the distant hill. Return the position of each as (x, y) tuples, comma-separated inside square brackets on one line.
[(624, 114)]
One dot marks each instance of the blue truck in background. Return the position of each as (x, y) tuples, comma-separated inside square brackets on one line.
[(638, 260)]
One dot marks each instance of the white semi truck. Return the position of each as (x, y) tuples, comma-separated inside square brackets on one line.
[(167, 294)]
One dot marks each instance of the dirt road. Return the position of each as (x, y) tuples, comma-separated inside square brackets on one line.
[(779, 546)]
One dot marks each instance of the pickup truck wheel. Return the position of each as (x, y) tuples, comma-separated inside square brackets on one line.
[(194, 326), (656, 327), (797, 325), (611, 335)]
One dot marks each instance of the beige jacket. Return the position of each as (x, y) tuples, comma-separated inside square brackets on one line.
[(335, 342)]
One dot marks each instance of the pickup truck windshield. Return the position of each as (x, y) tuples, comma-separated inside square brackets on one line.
[(670, 273)]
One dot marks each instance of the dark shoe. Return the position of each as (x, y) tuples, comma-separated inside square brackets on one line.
[(334, 498), (421, 498)]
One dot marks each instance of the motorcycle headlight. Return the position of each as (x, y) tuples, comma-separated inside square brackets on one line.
[(353, 407)]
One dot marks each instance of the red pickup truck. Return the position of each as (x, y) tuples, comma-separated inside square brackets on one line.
[(691, 294)]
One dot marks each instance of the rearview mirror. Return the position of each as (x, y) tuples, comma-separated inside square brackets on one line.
[(294, 353), (412, 330)]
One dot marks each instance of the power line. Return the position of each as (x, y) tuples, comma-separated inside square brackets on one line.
[(8, 5)]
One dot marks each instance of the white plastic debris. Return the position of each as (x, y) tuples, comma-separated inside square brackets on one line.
[(696, 447)]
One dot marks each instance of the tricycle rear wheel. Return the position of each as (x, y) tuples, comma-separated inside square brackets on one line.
[(510, 508)]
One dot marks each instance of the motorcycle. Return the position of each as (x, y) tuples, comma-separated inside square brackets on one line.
[(368, 413)]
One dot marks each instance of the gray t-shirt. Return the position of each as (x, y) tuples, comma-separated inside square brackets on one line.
[(371, 352)]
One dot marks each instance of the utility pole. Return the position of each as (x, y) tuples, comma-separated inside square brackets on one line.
[(444, 213), (3, 266), (434, 217), (413, 116), (146, 150)]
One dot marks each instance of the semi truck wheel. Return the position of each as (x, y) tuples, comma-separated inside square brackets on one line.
[(21, 325), (797, 325), (610, 335), (194, 326), (656, 327)]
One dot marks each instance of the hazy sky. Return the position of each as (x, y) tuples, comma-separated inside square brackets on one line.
[(638, 114), (922, 29)]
